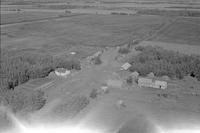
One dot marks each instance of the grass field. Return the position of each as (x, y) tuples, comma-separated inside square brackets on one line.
[(61, 35), (182, 31), (17, 17)]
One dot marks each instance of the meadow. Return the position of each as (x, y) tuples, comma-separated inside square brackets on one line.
[(60, 35)]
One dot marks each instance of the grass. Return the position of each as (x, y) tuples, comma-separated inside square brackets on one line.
[(85, 31), (18, 17), (183, 31)]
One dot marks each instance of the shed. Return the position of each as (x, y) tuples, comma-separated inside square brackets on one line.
[(134, 75), (160, 84), (126, 66), (145, 82), (114, 83), (62, 72)]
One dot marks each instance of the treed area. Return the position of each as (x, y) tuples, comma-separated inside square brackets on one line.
[(164, 62), (19, 69)]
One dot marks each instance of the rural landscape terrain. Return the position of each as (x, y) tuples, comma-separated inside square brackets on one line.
[(100, 66)]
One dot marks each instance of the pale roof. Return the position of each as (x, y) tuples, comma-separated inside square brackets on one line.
[(126, 66), (61, 70), (146, 80), (160, 82)]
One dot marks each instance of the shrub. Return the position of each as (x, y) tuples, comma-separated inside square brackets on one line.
[(129, 80), (94, 93), (139, 48), (123, 50), (97, 60)]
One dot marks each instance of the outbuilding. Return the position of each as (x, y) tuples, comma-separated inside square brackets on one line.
[(160, 84), (126, 66), (148, 82), (145, 82), (62, 72), (134, 75)]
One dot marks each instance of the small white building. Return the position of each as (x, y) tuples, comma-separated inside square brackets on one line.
[(160, 84), (62, 72), (126, 66)]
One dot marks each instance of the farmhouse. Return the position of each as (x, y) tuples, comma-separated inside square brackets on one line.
[(147, 82), (126, 66), (62, 72)]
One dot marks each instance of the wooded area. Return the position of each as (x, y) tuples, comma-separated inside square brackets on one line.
[(164, 62)]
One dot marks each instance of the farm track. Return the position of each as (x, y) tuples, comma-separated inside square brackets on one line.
[(153, 35), (38, 20)]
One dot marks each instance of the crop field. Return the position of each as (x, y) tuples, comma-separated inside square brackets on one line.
[(60, 35), (27, 16), (182, 31)]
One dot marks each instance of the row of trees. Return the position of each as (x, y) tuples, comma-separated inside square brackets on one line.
[(17, 70), (164, 62), (186, 13)]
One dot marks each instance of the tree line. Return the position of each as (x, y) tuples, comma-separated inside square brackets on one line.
[(19, 69), (164, 62)]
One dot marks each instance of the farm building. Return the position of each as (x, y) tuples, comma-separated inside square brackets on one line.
[(160, 84), (147, 82), (62, 72), (126, 66), (134, 75)]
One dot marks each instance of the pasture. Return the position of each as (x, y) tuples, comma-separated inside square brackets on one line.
[(62, 35), (182, 31)]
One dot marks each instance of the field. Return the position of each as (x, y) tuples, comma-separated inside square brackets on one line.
[(60, 35), (182, 31), (10, 17)]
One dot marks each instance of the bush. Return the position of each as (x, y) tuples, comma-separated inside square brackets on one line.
[(123, 50), (94, 93), (129, 80), (139, 48), (97, 60)]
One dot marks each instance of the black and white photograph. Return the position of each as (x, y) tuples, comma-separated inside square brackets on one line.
[(100, 66)]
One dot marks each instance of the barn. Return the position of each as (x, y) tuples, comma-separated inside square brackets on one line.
[(148, 82)]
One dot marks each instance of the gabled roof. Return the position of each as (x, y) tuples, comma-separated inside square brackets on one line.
[(126, 66)]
